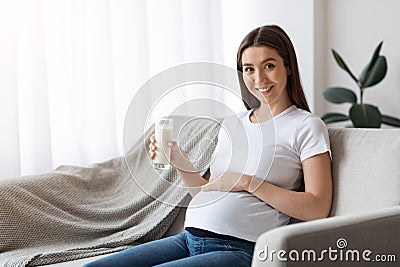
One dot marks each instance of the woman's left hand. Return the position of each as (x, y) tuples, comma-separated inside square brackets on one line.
[(228, 182)]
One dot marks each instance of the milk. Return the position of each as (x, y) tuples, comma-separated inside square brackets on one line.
[(163, 134)]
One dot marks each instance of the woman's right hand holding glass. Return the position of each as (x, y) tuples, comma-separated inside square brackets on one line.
[(178, 159)]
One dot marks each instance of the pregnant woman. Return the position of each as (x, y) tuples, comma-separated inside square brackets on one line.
[(251, 189)]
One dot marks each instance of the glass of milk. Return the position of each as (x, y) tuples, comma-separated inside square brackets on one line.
[(163, 134)]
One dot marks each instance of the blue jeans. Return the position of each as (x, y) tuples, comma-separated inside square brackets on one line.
[(183, 249)]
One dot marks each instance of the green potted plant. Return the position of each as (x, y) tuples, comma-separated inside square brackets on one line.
[(362, 115)]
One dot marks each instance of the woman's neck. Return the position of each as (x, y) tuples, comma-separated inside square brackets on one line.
[(277, 109), (265, 112)]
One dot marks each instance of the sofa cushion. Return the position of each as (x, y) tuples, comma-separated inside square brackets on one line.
[(365, 169)]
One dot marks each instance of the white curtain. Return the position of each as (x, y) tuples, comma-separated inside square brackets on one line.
[(69, 68)]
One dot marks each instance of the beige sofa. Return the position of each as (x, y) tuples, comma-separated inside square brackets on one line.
[(365, 216)]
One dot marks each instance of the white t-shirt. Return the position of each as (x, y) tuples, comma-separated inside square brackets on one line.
[(271, 151)]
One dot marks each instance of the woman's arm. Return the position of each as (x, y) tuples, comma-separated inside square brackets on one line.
[(193, 181), (314, 203)]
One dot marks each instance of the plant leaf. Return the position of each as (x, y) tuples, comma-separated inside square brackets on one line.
[(334, 117), (366, 72), (376, 73), (376, 52), (340, 95), (389, 120), (365, 116), (343, 65)]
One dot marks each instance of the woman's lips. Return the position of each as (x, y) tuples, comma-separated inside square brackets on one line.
[(264, 90)]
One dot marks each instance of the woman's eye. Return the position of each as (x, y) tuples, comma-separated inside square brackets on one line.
[(269, 66), (248, 69)]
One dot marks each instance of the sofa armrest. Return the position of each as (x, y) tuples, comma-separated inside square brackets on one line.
[(340, 240)]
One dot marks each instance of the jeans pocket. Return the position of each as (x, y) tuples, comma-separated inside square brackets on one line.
[(194, 244)]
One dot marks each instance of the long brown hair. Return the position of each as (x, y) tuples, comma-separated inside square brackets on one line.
[(275, 37)]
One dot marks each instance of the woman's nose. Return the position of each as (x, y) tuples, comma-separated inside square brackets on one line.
[(260, 78)]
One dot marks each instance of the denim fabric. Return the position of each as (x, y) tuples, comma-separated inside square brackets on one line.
[(183, 249)]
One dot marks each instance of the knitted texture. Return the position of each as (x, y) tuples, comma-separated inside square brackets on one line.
[(77, 212)]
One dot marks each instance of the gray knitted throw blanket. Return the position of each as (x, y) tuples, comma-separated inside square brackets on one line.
[(76, 212)]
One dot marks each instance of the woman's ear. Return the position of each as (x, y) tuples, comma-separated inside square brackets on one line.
[(288, 71)]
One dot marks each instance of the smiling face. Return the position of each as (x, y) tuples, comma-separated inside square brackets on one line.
[(265, 75)]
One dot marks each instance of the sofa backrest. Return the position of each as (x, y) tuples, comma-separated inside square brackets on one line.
[(365, 169)]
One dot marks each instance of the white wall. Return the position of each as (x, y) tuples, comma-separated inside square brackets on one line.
[(354, 28), (319, 48)]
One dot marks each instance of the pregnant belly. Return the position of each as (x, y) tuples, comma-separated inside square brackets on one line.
[(238, 210)]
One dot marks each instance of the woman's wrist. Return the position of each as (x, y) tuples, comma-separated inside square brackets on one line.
[(253, 183), (184, 166), (246, 182)]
